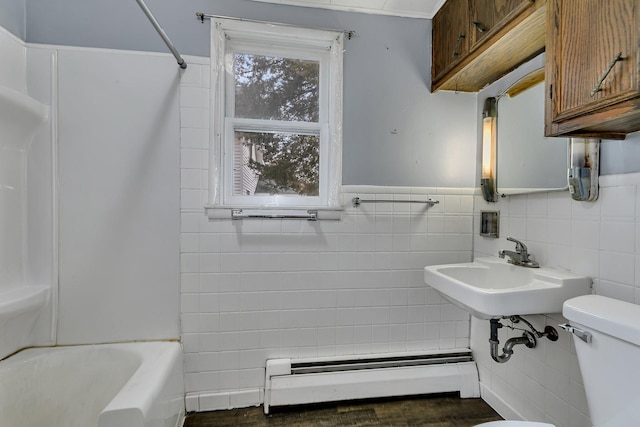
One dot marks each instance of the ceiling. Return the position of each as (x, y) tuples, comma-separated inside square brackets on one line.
[(406, 8)]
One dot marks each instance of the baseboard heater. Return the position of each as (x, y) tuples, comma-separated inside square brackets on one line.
[(305, 381)]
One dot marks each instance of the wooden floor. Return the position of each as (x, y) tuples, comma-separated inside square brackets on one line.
[(445, 410)]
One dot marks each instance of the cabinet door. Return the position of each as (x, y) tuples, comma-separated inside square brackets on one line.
[(592, 56), (487, 14), (450, 36)]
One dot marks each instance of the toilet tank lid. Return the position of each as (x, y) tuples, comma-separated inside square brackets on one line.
[(613, 317)]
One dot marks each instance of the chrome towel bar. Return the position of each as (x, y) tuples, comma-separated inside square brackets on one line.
[(357, 201)]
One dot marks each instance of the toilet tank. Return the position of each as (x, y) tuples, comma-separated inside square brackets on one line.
[(610, 362)]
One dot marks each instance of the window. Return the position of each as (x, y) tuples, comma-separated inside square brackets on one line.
[(276, 123)]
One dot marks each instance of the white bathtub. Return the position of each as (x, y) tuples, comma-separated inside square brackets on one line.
[(110, 385)]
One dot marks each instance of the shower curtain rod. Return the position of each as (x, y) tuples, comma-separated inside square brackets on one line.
[(164, 36), (202, 16)]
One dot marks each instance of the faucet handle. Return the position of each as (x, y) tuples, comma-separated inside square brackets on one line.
[(520, 247)]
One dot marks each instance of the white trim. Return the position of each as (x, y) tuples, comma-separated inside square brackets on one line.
[(505, 410), (373, 11), (323, 46), (620, 179), (224, 400), (383, 189)]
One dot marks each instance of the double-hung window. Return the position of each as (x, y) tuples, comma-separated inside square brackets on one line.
[(276, 122)]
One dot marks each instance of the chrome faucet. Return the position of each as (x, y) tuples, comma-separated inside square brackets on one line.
[(520, 256)]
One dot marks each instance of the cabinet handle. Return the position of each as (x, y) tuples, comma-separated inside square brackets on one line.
[(455, 50), (481, 28), (598, 86)]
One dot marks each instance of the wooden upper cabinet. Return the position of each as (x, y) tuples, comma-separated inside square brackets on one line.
[(475, 42), (592, 68), (486, 15), (451, 24)]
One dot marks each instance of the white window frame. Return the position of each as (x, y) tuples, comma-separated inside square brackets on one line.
[(326, 47)]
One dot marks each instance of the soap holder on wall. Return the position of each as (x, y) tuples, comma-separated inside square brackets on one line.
[(584, 169), (490, 224)]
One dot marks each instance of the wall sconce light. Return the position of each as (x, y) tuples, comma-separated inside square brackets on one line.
[(488, 177)]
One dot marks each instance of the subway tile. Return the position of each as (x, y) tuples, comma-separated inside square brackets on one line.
[(557, 409), (189, 303), (623, 292), (453, 203), (558, 231), (537, 230), (400, 242), (585, 261), (210, 262), (190, 179), (189, 283), (516, 227), (209, 322), (586, 210), (195, 138), (450, 312), (617, 267), (518, 206), (191, 158), (189, 263), (229, 380), (191, 76), (559, 205), (435, 224), (194, 117), (578, 419), (585, 234), (401, 208), (537, 205), (189, 243), (189, 222), (618, 202), (617, 236), (458, 224), (190, 199), (191, 96)]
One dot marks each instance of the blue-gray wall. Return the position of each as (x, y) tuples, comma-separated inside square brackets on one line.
[(620, 156), (12, 17), (392, 131), (395, 131), (121, 24)]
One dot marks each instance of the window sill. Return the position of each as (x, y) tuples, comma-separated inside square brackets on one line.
[(214, 212)]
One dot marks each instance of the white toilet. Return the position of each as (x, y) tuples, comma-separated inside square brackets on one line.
[(607, 339)]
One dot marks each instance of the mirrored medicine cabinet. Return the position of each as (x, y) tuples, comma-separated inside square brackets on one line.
[(526, 160)]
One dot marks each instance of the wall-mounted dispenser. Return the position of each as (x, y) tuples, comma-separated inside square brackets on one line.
[(584, 169)]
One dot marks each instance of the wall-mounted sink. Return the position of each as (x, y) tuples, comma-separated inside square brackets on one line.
[(492, 288)]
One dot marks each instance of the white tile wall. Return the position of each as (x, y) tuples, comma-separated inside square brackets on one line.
[(601, 240), (259, 289)]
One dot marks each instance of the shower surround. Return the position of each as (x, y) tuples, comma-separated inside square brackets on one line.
[(67, 238)]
